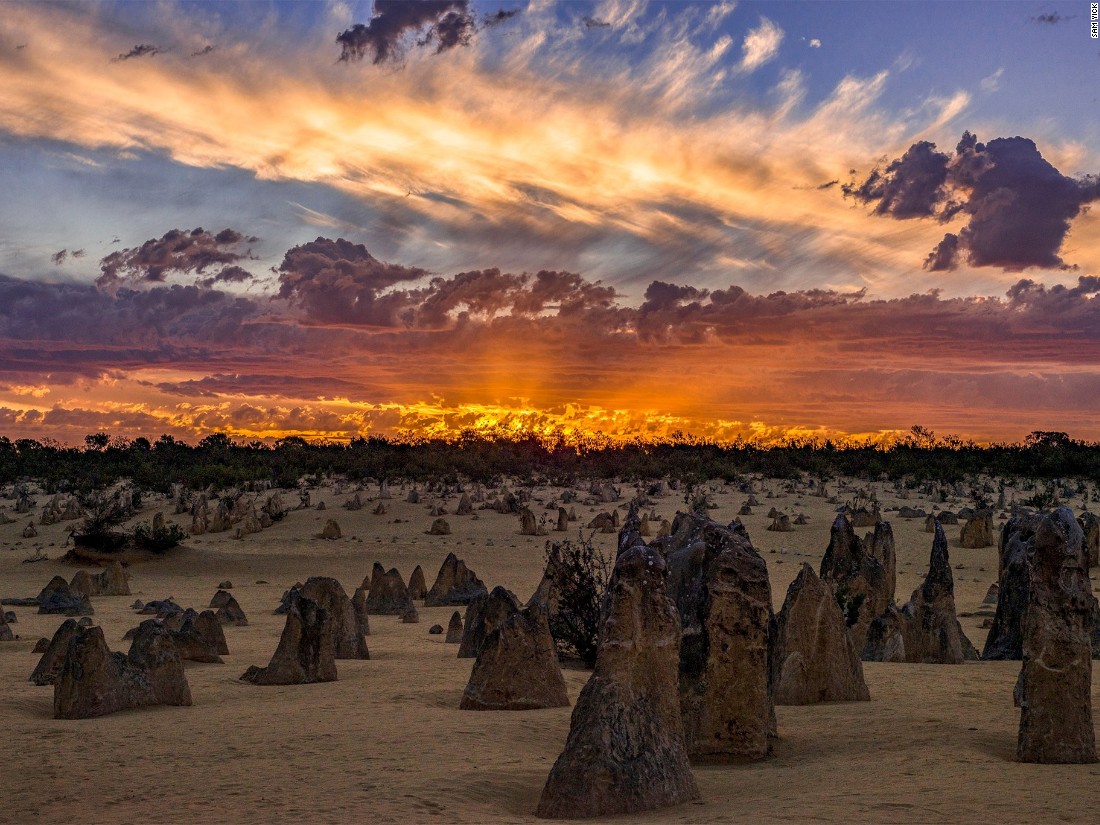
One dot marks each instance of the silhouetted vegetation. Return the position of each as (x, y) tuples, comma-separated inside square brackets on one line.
[(219, 462), (580, 573)]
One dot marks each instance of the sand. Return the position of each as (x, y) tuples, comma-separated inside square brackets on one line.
[(387, 742)]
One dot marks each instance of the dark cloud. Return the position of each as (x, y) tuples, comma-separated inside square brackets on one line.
[(1018, 206), (829, 184), (205, 50), (443, 21), (945, 256), (595, 23), (179, 250), (910, 187), (341, 282), (140, 50), (498, 17), (59, 257), (445, 24)]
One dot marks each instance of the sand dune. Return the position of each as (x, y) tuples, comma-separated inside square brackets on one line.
[(387, 742)]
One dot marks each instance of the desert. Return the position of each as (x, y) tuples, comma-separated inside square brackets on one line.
[(389, 735)]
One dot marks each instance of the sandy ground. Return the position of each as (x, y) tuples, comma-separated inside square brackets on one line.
[(387, 742)]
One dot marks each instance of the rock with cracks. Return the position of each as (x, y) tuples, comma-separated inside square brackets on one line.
[(455, 584), (94, 681), (1054, 691), (517, 667), (306, 651), (814, 658), (926, 629), (625, 752)]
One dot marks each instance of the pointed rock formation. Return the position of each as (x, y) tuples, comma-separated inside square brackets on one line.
[(517, 667), (418, 587), (926, 629), (880, 545), (411, 615), (1006, 635), (465, 506), (859, 579), (330, 596), (1054, 691), (331, 530), (484, 615), (625, 752), (386, 593), (440, 527), (94, 681), (59, 599), (455, 584), (306, 649), (48, 669), (228, 610), (563, 521), (454, 629), (721, 588), (814, 659), (781, 523)]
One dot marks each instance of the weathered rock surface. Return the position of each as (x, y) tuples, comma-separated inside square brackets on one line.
[(59, 599), (978, 530), (49, 666), (440, 527), (814, 658), (926, 629), (94, 681), (860, 580), (348, 641), (228, 609), (306, 649), (359, 604), (517, 667), (112, 581), (418, 587), (721, 588), (454, 629), (1006, 635), (1054, 691), (625, 752), (387, 594), (484, 615), (455, 584)]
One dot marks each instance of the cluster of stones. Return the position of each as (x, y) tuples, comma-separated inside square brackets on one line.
[(242, 515)]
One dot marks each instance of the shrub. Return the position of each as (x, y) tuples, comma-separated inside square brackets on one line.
[(580, 573)]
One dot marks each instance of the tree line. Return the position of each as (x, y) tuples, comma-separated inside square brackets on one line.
[(219, 461)]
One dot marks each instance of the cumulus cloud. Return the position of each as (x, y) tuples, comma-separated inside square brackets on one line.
[(761, 45), (182, 251), (341, 282), (1018, 207), (551, 348), (443, 23)]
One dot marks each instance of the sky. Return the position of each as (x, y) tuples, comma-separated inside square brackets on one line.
[(756, 220)]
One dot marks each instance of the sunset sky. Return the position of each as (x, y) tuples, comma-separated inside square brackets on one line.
[(755, 219)]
